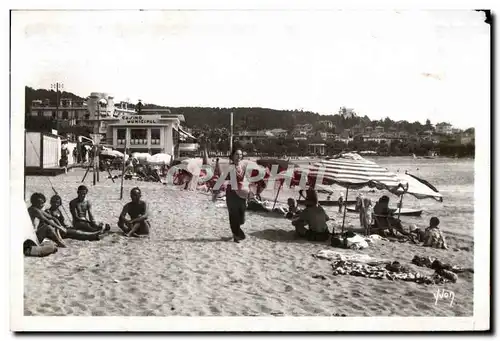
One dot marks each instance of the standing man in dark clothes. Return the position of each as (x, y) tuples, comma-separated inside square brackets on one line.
[(138, 224)]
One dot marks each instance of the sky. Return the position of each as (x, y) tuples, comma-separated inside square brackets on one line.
[(406, 65)]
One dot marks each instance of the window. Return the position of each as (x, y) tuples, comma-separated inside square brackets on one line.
[(155, 136), (54, 114), (121, 135), (40, 113), (65, 115), (138, 136)]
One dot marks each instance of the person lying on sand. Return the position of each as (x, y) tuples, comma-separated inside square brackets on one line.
[(47, 226), (79, 208), (313, 216), (138, 224), (55, 212)]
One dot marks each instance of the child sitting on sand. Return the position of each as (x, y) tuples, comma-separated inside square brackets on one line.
[(79, 208), (433, 236), (313, 216), (47, 227), (138, 212), (293, 210)]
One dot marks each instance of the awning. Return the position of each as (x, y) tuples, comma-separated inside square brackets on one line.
[(185, 133)]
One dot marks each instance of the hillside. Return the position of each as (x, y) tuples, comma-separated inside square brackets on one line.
[(254, 118)]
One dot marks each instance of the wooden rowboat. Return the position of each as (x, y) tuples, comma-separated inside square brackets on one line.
[(328, 202), (404, 211)]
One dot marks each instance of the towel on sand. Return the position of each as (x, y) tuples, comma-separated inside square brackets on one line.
[(336, 256)]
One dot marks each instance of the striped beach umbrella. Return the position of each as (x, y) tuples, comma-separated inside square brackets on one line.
[(350, 170)]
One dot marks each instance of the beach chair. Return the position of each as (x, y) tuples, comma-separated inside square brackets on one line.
[(388, 222), (383, 222)]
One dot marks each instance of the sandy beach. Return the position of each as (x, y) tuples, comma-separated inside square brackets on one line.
[(189, 265)]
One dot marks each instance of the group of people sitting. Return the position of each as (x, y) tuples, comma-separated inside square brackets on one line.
[(143, 171), (311, 223), (51, 224)]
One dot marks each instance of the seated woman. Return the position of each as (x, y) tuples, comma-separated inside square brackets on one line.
[(313, 216), (55, 212), (433, 236), (381, 209)]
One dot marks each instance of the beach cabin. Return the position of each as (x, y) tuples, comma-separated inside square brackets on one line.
[(42, 152)]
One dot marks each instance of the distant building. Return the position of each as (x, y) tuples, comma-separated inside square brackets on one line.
[(467, 139), (444, 128), (380, 139), (152, 132), (72, 111), (357, 129), (379, 129), (303, 127), (323, 135), (279, 132), (327, 124), (368, 130), (317, 148), (331, 136), (347, 112), (245, 137), (346, 133), (100, 104)]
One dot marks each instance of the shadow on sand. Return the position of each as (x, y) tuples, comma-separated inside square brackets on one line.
[(287, 236), (200, 240)]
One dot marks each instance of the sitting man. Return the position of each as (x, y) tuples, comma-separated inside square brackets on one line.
[(55, 213), (313, 216), (79, 208), (47, 227), (138, 212)]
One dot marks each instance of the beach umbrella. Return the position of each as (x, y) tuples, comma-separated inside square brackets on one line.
[(419, 188), (111, 153), (141, 157), (159, 159), (350, 170), (193, 165)]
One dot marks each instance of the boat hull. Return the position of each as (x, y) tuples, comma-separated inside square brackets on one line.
[(408, 212), (328, 202)]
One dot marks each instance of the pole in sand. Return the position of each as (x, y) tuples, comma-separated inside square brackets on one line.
[(123, 171), (345, 208)]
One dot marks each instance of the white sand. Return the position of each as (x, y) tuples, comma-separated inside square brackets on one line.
[(188, 267)]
